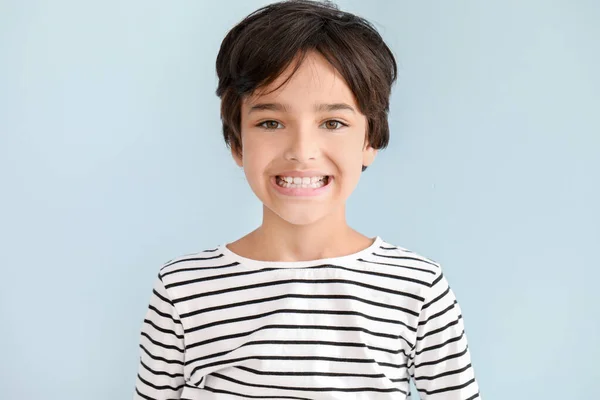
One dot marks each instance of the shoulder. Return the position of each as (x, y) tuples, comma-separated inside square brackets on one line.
[(405, 262), (188, 263)]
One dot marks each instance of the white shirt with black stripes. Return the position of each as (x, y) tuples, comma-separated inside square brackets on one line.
[(221, 326)]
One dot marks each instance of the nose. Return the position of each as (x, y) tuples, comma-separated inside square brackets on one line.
[(303, 145)]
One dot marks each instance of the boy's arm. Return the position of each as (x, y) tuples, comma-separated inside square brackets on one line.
[(440, 362), (160, 370)]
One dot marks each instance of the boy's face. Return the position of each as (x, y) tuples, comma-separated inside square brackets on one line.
[(284, 135)]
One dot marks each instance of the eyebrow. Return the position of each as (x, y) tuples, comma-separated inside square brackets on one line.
[(317, 107)]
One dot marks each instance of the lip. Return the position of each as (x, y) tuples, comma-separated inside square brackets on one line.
[(302, 192)]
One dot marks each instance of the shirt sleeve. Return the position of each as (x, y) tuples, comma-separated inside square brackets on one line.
[(440, 362), (160, 370)]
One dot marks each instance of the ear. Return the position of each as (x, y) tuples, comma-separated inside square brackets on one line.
[(368, 155), (237, 156)]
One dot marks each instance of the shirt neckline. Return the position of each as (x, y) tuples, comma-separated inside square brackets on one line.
[(377, 241)]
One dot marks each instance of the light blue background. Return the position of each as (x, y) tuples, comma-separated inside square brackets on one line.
[(112, 162)]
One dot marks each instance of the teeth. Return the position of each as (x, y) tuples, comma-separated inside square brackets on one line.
[(301, 181), (298, 182)]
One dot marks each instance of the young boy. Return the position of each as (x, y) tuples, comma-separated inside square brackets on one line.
[(304, 307)]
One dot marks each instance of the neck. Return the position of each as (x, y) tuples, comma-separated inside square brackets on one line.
[(278, 240)]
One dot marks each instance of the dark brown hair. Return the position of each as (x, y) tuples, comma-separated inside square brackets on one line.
[(259, 48)]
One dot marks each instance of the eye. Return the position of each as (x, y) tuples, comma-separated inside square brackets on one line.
[(333, 124), (270, 125)]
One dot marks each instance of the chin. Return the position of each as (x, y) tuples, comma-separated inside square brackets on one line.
[(300, 217)]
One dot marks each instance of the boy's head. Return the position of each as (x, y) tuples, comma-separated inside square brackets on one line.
[(275, 68)]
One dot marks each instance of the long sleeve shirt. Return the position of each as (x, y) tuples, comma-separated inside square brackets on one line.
[(221, 326)]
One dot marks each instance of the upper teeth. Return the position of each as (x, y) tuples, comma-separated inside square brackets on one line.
[(302, 181)]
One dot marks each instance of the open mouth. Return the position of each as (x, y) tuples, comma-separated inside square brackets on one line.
[(313, 182)]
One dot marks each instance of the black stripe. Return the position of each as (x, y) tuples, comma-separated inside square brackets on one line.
[(155, 372), (218, 277), (164, 346), (143, 396), (295, 373), (192, 254), (443, 328), (309, 389), (447, 373), (303, 296), (439, 314), (180, 260), (248, 396), (163, 330), (163, 387), (450, 357), (437, 280), (199, 382), (441, 296), (324, 266), (295, 358), (439, 346), (160, 296), (283, 282), (447, 389), (333, 328), (200, 268), (396, 265), (288, 311), (157, 358), (165, 315), (426, 261), (297, 342)]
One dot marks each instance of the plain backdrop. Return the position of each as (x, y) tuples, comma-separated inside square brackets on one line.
[(112, 162)]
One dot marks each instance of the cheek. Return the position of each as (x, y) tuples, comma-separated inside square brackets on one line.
[(348, 156), (257, 156)]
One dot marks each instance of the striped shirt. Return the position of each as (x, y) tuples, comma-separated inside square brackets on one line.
[(221, 326)]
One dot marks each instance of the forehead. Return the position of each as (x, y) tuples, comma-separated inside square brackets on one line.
[(315, 81)]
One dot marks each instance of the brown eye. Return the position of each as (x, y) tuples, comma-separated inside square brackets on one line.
[(269, 124), (332, 124)]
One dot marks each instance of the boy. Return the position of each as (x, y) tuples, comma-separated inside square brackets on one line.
[(304, 307)]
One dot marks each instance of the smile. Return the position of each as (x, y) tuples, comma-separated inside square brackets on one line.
[(306, 182), (302, 186)]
